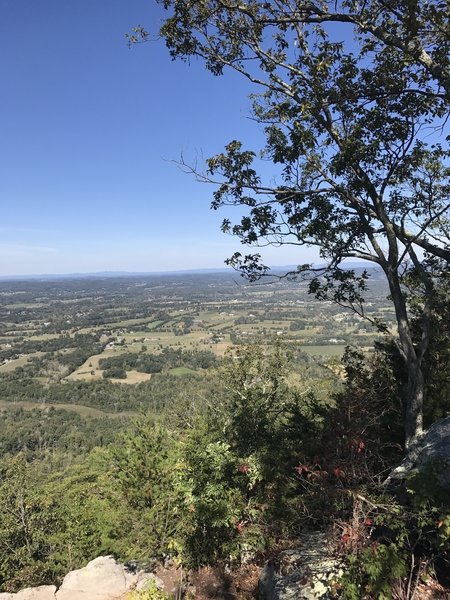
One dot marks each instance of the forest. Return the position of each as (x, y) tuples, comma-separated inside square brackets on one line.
[(232, 447)]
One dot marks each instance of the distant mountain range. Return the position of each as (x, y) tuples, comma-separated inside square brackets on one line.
[(114, 274)]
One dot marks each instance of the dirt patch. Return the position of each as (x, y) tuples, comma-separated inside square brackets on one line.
[(134, 377), (210, 583), (432, 590)]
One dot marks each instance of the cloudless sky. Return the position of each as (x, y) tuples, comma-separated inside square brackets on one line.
[(89, 130)]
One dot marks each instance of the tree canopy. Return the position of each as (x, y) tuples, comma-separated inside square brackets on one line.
[(353, 97)]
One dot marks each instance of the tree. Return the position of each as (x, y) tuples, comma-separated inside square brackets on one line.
[(353, 97), (27, 522)]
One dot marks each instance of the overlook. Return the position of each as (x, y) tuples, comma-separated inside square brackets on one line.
[(193, 431)]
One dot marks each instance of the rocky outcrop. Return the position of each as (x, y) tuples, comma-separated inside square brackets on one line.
[(43, 592), (433, 446), (306, 573), (102, 579)]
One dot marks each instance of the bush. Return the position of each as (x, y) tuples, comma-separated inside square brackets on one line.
[(115, 373), (151, 592)]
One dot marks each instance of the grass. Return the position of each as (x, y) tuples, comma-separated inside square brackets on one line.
[(128, 322), (133, 377), (331, 350), (84, 411), (225, 324), (18, 362), (44, 336), (182, 371), (13, 364), (24, 305), (154, 324), (90, 369)]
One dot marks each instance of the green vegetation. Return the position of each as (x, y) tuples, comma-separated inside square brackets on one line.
[(245, 430), (210, 478), (169, 358), (227, 452), (344, 93), (151, 593)]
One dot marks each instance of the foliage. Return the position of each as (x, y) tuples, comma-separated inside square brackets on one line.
[(154, 363), (147, 470), (367, 418), (38, 432), (436, 366), (216, 502), (27, 525), (436, 361), (151, 592), (158, 393), (226, 471), (114, 372), (407, 541), (374, 571), (220, 485), (50, 525), (88, 508), (346, 91), (239, 459)]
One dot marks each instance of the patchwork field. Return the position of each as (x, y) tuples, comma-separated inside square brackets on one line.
[(58, 331)]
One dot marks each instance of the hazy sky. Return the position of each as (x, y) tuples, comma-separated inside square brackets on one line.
[(88, 129)]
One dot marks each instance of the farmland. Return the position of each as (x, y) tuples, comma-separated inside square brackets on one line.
[(76, 342)]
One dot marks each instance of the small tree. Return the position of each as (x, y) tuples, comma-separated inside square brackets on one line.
[(353, 98)]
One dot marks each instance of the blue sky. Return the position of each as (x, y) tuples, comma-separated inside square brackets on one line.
[(88, 131)]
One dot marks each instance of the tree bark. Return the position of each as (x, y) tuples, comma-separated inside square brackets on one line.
[(413, 410), (414, 404)]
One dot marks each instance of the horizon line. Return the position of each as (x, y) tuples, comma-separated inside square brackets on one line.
[(112, 273)]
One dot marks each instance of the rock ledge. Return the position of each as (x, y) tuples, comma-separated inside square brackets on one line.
[(102, 579)]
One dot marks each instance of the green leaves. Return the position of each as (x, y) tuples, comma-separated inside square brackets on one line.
[(352, 98), (343, 119), (25, 524)]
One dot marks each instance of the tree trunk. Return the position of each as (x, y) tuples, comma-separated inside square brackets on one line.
[(414, 403), (413, 411)]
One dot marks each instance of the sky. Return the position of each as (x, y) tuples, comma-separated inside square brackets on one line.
[(90, 132)]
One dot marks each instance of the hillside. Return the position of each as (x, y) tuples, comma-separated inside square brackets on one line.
[(215, 424)]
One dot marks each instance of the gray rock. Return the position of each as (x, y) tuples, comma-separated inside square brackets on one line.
[(102, 579), (43, 592), (306, 573), (433, 446)]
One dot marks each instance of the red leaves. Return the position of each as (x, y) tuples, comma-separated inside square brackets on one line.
[(309, 472), (357, 444), (339, 473), (357, 533), (302, 470), (244, 468)]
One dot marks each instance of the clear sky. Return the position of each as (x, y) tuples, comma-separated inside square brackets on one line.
[(88, 129)]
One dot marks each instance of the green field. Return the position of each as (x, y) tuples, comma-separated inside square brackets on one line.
[(84, 411), (330, 350), (182, 371)]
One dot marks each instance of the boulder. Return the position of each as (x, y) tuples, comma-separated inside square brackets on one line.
[(43, 592), (306, 573), (433, 446), (102, 579)]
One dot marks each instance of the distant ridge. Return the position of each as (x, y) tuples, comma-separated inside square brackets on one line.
[(114, 274), (108, 274)]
